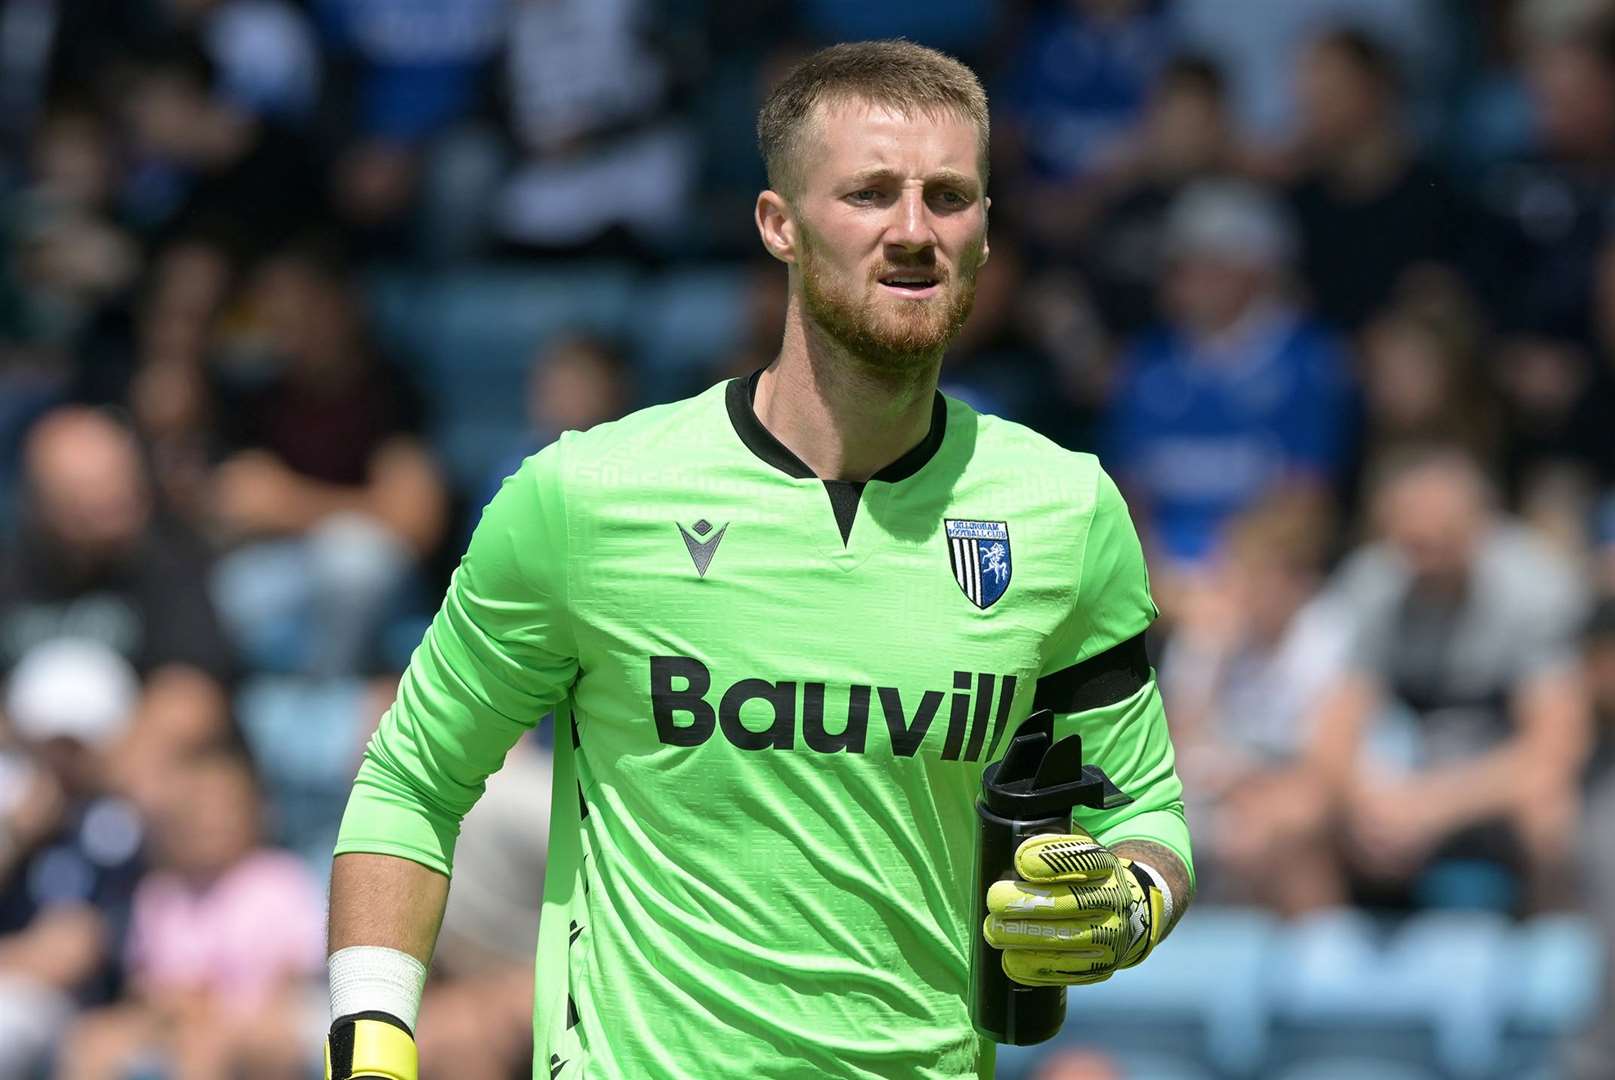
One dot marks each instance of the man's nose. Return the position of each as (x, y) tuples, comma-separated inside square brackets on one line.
[(911, 228)]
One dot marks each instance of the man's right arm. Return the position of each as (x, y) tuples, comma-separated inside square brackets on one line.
[(386, 901), (499, 654)]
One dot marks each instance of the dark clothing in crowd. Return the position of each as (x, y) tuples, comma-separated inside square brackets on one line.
[(151, 607), (273, 191), (1558, 218), (93, 859), (1355, 251), (1579, 435), (1126, 256), (329, 435)]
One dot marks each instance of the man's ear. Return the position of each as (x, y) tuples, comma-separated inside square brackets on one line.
[(776, 224), (986, 250)]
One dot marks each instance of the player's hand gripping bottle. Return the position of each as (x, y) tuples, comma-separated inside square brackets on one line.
[(1029, 791)]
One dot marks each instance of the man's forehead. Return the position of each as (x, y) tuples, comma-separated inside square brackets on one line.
[(852, 134)]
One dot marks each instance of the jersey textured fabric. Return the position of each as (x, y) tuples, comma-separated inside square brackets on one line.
[(770, 738)]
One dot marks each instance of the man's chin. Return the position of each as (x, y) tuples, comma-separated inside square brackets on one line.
[(922, 327), (910, 337), (892, 332)]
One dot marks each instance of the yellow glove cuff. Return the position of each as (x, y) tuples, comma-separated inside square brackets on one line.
[(368, 1047), (1158, 900)]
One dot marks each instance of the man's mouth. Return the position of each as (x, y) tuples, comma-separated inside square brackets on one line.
[(911, 283)]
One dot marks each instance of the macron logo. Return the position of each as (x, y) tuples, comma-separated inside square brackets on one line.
[(701, 551)]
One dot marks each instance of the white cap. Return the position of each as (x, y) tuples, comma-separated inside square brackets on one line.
[(1234, 220), (73, 688)]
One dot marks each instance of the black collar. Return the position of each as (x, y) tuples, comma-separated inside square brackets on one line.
[(760, 441)]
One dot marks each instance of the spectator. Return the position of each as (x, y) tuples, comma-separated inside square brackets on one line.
[(327, 486), (1559, 388), (1080, 83), (997, 363), (69, 254), (1558, 408), (1458, 727), (1185, 135), (599, 149), (63, 259), (93, 560), (575, 382), (225, 943), (411, 68), (1239, 395), (762, 326), (1062, 322), (182, 713), (1556, 197), (1080, 80), (174, 329), (1593, 1053), (1259, 48), (69, 846), (1370, 208), (205, 164), (407, 75), (1251, 653), (84, 47), (1421, 383)]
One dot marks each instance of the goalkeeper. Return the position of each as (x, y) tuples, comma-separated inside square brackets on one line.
[(783, 626)]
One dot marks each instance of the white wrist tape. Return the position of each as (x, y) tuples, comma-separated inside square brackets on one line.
[(1160, 883), (369, 978)]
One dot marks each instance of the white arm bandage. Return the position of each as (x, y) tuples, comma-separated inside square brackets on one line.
[(369, 978)]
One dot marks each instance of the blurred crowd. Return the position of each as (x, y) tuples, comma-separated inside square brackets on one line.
[(1328, 284)]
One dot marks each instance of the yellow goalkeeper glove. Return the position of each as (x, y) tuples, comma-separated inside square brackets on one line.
[(1078, 913), (373, 1045)]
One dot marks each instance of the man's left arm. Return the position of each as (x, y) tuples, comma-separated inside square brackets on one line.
[(1113, 701), (1118, 883)]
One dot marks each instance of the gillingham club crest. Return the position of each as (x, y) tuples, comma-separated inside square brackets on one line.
[(978, 551)]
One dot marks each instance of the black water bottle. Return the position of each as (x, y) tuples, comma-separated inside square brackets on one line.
[(1030, 790)]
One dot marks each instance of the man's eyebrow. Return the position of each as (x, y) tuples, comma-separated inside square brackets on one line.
[(881, 175)]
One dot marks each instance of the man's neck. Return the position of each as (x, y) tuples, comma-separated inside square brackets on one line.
[(845, 417)]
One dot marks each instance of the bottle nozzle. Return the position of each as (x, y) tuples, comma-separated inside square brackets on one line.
[(1037, 776)]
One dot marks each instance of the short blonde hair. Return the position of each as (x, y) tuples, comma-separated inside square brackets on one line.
[(909, 78)]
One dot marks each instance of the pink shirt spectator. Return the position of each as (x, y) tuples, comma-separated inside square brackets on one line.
[(240, 937)]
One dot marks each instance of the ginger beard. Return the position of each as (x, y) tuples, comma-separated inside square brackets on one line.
[(888, 332)]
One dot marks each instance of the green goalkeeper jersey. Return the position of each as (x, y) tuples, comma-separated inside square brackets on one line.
[(774, 697)]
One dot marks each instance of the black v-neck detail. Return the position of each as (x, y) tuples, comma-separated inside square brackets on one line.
[(741, 394), (844, 498), (845, 495)]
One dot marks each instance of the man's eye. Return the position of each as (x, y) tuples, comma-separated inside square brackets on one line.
[(954, 198), (866, 195)]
